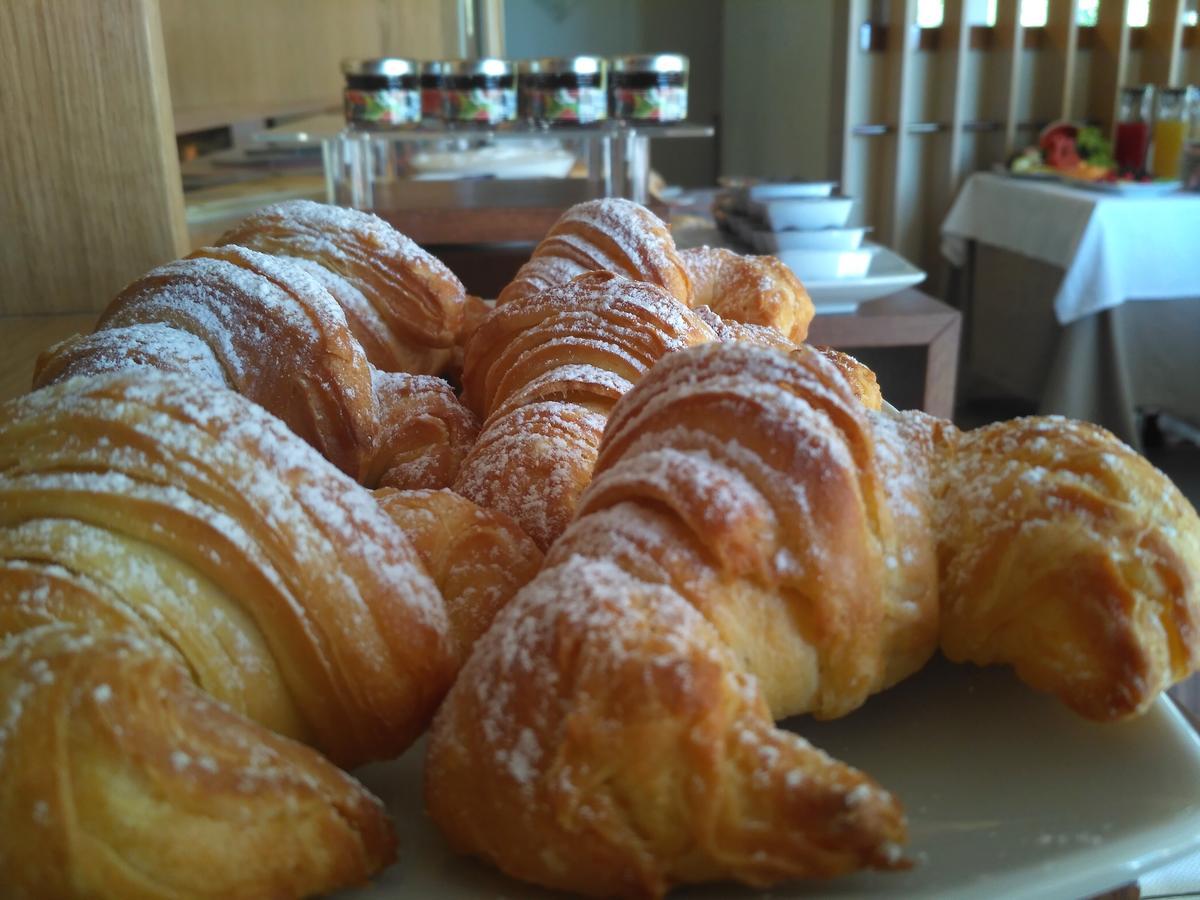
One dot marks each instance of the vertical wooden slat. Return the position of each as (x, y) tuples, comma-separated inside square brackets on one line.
[(956, 27), (855, 12), (1062, 40), (1110, 62), (901, 46), (90, 193), (1010, 43), (1162, 43)]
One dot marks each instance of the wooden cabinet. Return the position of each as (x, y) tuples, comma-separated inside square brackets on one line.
[(90, 194)]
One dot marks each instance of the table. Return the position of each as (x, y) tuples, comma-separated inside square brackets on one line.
[(906, 319), (1051, 276), (1113, 248)]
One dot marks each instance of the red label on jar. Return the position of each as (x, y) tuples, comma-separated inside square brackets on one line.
[(576, 105), (431, 103), (489, 105)]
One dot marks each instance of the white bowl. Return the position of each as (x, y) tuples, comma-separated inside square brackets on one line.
[(804, 213), (821, 265), (744, 195), (821, 239), (780, 190)]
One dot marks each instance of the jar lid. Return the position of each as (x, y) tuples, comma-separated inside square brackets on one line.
[(658, 62), (488, 67), (387, 67), (560, 65), (1172, 91)]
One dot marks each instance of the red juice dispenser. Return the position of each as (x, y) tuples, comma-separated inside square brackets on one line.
[(1132, 138)]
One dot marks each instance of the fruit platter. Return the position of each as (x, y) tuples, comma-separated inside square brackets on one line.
[(1080, 155)]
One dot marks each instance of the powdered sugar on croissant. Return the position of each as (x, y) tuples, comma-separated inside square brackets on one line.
[(608, 235)]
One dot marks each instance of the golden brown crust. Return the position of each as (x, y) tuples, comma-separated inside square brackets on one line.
[(122, 780), (752, 546), (414, 304), (543, 371), (266, 328), (475, 311), (162, 540), (609, 235), (814, 555), (602, 739), (424, 433), (755, 290), (478, 558), (859, 377), (1068, 556)]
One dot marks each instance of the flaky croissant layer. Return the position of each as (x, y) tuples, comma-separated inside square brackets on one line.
[(187, 592), (757, 543)]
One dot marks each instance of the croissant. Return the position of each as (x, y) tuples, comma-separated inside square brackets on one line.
[(861, 379), (186, 589), (757, 543), (756, 290), (1068, 556), (745, 551), (543, 371), (265, 327), (403, 304), (609, 235), (478, 558)]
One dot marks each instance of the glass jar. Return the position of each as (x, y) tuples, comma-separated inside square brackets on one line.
[(649, 88), (1132, 138), (1170, 126), (434, 75), (381, 93), (1189, 166), (565, 90), (481, 91)]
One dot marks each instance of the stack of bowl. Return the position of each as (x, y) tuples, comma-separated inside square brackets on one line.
[(803, 223)]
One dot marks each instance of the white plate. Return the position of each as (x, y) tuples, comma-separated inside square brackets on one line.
[(805, 213), (1008, 795), (889, 272), (1125, 188), (821, 239)]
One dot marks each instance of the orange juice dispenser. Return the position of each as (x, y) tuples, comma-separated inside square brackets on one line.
[(1170, 128)]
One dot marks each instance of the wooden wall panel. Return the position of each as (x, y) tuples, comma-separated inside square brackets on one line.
[(1162, 46), (900, 229), (1062, 45), (1109, 62), (239, 59), (90, 194)]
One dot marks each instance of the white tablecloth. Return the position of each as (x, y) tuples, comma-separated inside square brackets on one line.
[(1112, 248)]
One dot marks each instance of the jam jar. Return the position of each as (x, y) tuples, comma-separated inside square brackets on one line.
[(434, 75), (381, 93), (649, 88), (480, 90), (569, 90)]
